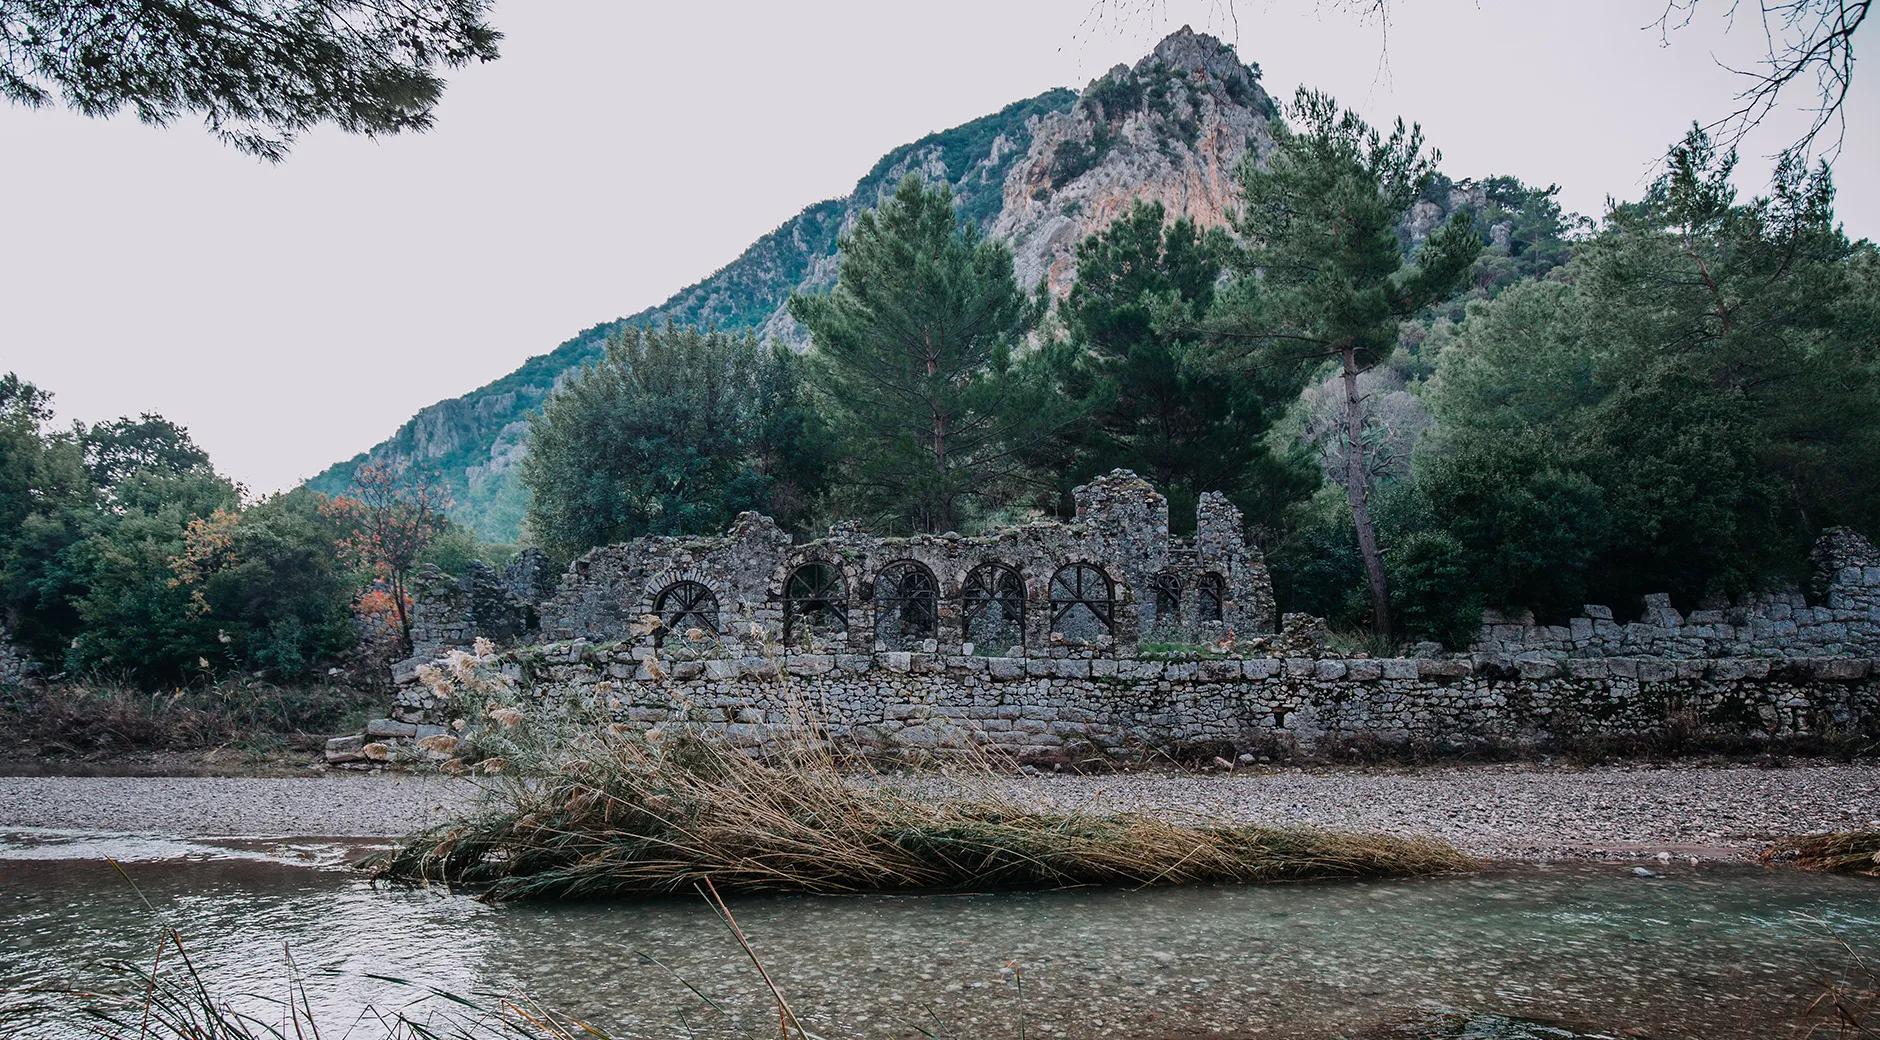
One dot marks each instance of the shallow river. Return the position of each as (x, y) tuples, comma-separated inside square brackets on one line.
[(1706, 951)]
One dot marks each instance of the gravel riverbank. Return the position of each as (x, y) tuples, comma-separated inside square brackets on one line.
[(1512, 812)]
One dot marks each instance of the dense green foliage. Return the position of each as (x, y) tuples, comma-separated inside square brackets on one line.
[(482, 426), (674, 431), (123, 553), (911, 355), (1131, 364), (1682, 409), (1324, 277)]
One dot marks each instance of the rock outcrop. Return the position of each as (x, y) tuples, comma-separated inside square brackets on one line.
[(1172, 129)]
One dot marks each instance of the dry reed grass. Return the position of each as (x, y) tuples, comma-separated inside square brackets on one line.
[(1844, 852), (619, 813)]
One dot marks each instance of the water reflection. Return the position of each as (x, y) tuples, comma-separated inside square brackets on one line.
[(1711, 952)]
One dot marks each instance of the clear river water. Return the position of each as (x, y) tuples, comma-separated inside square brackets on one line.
[(1698, 951)]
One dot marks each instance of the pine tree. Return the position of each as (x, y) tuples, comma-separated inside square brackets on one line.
[(258, 72), (912, 358), (1133, 366), (1323, 279)]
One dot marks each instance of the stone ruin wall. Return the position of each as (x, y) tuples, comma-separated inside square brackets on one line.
[(1046, 710), (1772, 667), (1844, 620), (1121, 529)]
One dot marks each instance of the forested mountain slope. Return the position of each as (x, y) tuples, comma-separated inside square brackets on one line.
[(1041, 174)]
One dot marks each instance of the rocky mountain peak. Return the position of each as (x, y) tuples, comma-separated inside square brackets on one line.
[(1171, 129)]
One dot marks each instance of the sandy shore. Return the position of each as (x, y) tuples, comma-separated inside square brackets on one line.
[(1518, 812)]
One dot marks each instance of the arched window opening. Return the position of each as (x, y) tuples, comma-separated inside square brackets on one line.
[(907, 605), (1083, 602), (815, 603), (1213, 592), (687, 609), (1167, 602), (992, 609)]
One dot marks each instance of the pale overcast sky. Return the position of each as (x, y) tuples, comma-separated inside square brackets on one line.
[(293, 315)]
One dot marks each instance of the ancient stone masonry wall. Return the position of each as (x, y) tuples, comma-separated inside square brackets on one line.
[(14, 664), (1093, 587), (453, 612), (1844, 620), (908, 644), (1056, 709)]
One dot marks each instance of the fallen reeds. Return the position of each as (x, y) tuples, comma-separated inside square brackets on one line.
[(620, 813), (1845, 852)]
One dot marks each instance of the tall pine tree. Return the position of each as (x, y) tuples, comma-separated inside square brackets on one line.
[(1132, 364), (912, 357), (1323, 277)]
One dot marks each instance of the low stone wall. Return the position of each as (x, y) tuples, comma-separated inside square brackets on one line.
[(1844, 619), (1050, 710)]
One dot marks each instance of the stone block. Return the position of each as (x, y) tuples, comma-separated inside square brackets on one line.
[(1364, 670), (811, 664), (1444, 668), (1588, 668), (387, 729), (1535, 666), (346, 749), (1260, 667), (1655, 670), (1842, 668), (1006, 667), (1218, 671)]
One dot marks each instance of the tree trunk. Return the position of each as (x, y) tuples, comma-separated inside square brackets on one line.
[(942, 517), (1358, 492), (404, 619)]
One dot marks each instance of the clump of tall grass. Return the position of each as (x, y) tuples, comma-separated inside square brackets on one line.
[(1845, 852), (583, 809), (88, 716)]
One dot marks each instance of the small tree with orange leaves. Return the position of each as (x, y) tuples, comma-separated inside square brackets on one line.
[(391, 522)]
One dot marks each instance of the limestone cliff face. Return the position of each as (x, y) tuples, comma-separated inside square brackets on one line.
[(1172, 129), (1040, 174)]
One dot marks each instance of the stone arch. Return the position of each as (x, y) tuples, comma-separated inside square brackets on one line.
[(906, 598), (1210, 598), (815, 601), (1083, 602), (685, 606), (992, 608), (1165, 602)]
